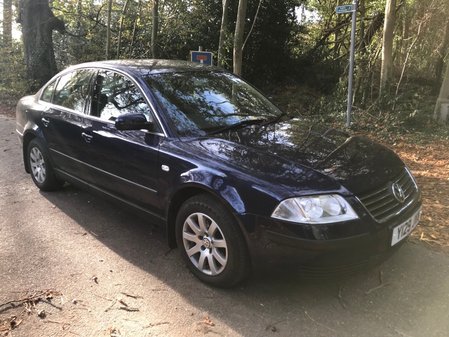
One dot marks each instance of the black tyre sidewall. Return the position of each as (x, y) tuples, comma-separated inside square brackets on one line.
[(238, 266), (51, 182)]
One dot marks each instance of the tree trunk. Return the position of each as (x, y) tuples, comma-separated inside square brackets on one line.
[(154, 29), (223, 33), (336, 50), (120, 28), (38, 23), (108, 31), (443, 98), (238, 36), (133, 34), (362, 10), (252, 26), (387, 46), (442, 51), (7, 23)]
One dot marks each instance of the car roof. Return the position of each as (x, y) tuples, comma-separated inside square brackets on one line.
[(149, 66)]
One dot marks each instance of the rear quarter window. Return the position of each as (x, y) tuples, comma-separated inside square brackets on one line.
[(47, 93)]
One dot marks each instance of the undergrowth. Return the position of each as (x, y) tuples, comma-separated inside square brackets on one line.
[(13, 83), (409, 114)]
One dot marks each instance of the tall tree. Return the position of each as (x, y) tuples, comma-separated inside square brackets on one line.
[(38, 24), (120, 28), (108, 30), (442, 52), (7, 23), (387, 45), (223, 33), (154, 28), (238, 36), (443, 98)]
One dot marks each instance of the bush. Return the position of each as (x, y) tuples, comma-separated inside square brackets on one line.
[(13, 83)]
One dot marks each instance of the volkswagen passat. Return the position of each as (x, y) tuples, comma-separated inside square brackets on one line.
[(232, 179)]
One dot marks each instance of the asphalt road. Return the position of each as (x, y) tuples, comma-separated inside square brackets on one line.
[(117, 277)]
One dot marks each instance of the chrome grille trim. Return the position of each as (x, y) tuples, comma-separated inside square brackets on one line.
[(382, 205)]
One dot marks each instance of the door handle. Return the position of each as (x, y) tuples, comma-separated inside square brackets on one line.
[(45, 121), (87, 138)]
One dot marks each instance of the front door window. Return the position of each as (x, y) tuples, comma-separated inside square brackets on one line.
[(114, 94)]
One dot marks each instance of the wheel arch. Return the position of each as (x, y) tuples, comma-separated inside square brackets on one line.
[(188, 191), (27, 138)]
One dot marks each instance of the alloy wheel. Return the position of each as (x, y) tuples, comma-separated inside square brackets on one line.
[(37, 163), (205, 244)]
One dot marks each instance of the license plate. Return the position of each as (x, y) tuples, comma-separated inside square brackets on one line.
[(404, 229)]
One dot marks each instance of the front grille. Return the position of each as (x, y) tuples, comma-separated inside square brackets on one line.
[(382, 204)]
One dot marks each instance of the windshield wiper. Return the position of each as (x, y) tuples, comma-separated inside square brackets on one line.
[(274, 119), (238, 125)]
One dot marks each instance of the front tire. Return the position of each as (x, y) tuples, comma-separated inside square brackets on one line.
[(41, 170), (211, 242)]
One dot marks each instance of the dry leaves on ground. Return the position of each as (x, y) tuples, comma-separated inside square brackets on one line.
[(429, 162)]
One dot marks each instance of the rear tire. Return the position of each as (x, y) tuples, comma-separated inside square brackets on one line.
[(211, 242), (41, 170)]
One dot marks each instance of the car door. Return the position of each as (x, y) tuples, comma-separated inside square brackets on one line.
[(125, 163), (63, 121)]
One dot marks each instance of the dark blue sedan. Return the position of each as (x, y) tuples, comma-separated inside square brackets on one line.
[(233, 180)]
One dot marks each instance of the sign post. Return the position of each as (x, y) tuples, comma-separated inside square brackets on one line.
[(203, 57), (343, 10)]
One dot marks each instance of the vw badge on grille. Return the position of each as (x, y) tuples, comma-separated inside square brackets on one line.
[(398, 192)]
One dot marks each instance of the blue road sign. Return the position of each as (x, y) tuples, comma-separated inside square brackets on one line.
[(203, 57), (344, 9)]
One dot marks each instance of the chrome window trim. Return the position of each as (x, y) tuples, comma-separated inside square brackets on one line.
[(97, 68), (83, 115)]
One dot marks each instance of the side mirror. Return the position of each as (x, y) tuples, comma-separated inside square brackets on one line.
[(133, 121)]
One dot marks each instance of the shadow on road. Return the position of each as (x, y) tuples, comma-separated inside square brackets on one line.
[(404, 295)]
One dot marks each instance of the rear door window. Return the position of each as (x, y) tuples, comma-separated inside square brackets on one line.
[(72, 90)]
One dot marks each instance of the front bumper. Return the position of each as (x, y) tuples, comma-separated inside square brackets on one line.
[(324, 249)]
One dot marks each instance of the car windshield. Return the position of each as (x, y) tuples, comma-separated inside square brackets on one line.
[(199, 103)]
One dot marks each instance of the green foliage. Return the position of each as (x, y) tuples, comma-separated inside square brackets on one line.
[(84, 39), (184, 26), (267, 55), (13, 82), (412, 115), (283, 53)]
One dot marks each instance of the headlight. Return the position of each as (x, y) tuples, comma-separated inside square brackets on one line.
[(315, 209)]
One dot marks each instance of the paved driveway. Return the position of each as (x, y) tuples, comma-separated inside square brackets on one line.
[(111, 274)]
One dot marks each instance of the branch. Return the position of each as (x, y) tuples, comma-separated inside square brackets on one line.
[(409, 52), (66, 32), (252, 26), (95, 18), (376, 24), (329, 32), (56, 24)]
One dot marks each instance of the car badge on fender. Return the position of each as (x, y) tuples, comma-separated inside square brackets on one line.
[(398, 192)]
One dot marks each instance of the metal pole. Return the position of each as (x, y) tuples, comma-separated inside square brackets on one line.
[(351, 65)]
